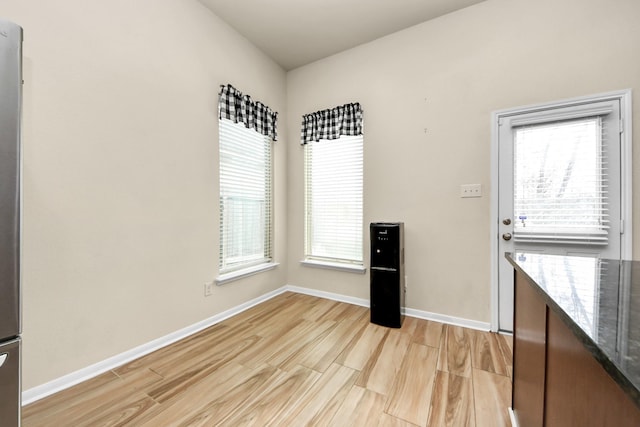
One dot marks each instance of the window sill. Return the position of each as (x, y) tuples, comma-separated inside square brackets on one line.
[(351, 268), (245, 272)]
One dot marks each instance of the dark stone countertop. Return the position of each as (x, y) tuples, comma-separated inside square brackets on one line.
[(599, 300)]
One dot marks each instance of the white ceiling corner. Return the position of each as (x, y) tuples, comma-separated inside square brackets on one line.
[(297, 32)]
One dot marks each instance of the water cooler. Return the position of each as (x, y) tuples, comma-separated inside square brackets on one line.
[(387, 273)]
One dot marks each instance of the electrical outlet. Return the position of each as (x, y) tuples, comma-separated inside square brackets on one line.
[(208, 289), (471, 190)]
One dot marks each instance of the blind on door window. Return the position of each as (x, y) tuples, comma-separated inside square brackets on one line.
[(245, 197), (333, 199), (560, 182)]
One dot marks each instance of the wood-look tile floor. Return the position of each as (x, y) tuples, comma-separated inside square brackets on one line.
[(298, 360)]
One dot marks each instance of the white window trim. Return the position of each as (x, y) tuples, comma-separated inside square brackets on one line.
[(340, 266), (626, 167), (245, 272)]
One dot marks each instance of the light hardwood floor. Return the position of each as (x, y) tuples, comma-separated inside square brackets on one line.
[(299, 360)]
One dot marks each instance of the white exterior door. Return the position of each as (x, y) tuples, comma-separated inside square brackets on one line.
[(560, 181)]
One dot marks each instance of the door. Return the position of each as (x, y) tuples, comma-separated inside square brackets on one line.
[(559, 185), (10, 95), (10, 383)]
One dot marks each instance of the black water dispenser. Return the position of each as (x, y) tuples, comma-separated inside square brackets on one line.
[(387, 273)]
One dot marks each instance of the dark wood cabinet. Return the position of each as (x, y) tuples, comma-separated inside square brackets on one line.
[(578, 391), (556, 379), (529, 355)]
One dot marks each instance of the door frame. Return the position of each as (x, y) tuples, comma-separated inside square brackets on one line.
[(626, 165)]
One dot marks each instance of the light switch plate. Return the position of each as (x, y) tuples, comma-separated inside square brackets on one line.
[(471, 190)]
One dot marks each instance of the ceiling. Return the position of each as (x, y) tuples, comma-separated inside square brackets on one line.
[(296, 32)]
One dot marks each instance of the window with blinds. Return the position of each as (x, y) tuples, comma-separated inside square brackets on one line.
[(333, 200), (560, 182), (245, 197)]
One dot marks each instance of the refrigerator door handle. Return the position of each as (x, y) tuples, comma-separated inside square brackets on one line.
[(3, 358)]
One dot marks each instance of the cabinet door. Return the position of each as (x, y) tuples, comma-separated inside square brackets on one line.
[(579, 391), (528, 354)]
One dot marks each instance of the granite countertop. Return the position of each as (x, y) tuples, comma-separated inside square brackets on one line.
[(599, 300)]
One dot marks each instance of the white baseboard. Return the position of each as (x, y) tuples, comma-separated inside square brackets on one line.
[(328, 295), (36, 393), (450, 320), (420, 314), (512, 416)]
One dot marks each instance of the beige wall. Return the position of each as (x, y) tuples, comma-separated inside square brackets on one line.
[(427, 94), (120, 174)]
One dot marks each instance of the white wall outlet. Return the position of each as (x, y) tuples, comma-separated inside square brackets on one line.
[(471, 190), (208, 289)]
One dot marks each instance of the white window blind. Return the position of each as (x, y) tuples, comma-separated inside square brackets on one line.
[(560, 182), (333, 200), (245, 197)]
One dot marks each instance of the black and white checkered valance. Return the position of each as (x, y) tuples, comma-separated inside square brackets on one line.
[(330, 124), (233, 105)]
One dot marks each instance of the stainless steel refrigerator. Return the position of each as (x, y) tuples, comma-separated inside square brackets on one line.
[(10, 318)]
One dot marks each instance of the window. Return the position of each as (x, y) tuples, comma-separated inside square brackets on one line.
[(245, 197), (333, 200), (560, 180), (247, 128), (562, 175)]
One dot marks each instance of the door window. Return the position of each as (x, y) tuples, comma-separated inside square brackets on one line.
[(560, 182)]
